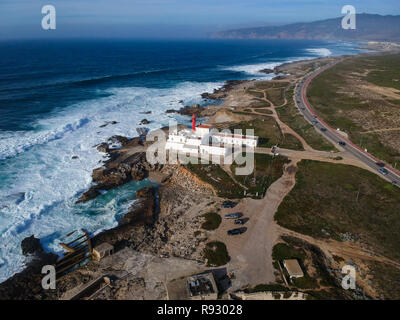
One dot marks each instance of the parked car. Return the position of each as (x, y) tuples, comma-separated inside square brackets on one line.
[(394, 183), (236, 215), (342, 143), (237, 231), (323, 129), (380, 164), (229, 204), (241, 221), (383, 171)]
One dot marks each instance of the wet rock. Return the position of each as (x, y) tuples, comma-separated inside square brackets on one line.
[(103, 147), (118, 139), (31, 245), (144, 121), (91, 194), (267, 71), (117, 172), (107, 123), (222, 92)]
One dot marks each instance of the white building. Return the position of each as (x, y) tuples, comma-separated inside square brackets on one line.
[(204, 141)]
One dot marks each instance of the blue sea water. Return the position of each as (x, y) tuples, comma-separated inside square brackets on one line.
[(55, 95)]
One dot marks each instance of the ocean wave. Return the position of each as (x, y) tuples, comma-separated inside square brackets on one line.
[(100, 79), (322, 52), (40, 165)]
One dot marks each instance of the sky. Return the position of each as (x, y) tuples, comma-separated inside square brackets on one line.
[(168, 18)]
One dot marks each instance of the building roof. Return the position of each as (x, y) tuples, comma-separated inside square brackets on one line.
[(238, 136), (204, 126), (293, 268), (202, 284)]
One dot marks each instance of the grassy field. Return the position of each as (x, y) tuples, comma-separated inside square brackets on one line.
[(290, 115), (275, 91), (265, 111), (213, 174), (269, 133), (267, 170), (387, 280), (339, 98), (340, 202)]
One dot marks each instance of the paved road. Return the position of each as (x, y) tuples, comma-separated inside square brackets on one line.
[(331, 134)]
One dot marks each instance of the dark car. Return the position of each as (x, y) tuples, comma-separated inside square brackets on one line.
[(241, 221), (394, 183), (237, 231), (342, 143), (380, 164), (236, 215), (323, 129), (229, 204)]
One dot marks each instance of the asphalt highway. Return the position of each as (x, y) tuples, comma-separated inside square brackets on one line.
[(392, 175)]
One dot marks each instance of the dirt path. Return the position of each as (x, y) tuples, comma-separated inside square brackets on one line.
[(348, 250), (251, 252), (284, 127), (381, 130)]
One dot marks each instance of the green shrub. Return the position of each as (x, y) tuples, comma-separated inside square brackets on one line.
[(216, 254), (213, 220)]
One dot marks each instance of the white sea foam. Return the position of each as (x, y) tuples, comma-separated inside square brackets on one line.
[(254, 69), (39, 165), (322, 52)]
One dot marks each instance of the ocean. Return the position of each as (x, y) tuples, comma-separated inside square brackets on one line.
[(55, 95)]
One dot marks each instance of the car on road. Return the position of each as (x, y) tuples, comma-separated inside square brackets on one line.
[(241, 221), (342, 143), (383, 171), (394, 183), (380, 164), (323, 129), (236, 215), (237, 231)]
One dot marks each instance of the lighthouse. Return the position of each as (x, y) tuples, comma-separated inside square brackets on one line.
[(193, 122)]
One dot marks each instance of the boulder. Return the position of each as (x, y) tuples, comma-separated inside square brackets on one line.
[(31, 245)]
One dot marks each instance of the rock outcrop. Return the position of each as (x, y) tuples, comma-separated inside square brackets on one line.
[(221, 93), (121, 168)]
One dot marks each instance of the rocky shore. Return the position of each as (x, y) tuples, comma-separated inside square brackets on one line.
[(160, 222)]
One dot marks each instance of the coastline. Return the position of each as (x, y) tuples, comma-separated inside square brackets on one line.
[(209, 111)]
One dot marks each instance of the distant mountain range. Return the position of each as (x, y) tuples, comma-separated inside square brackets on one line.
[(369, 27)]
